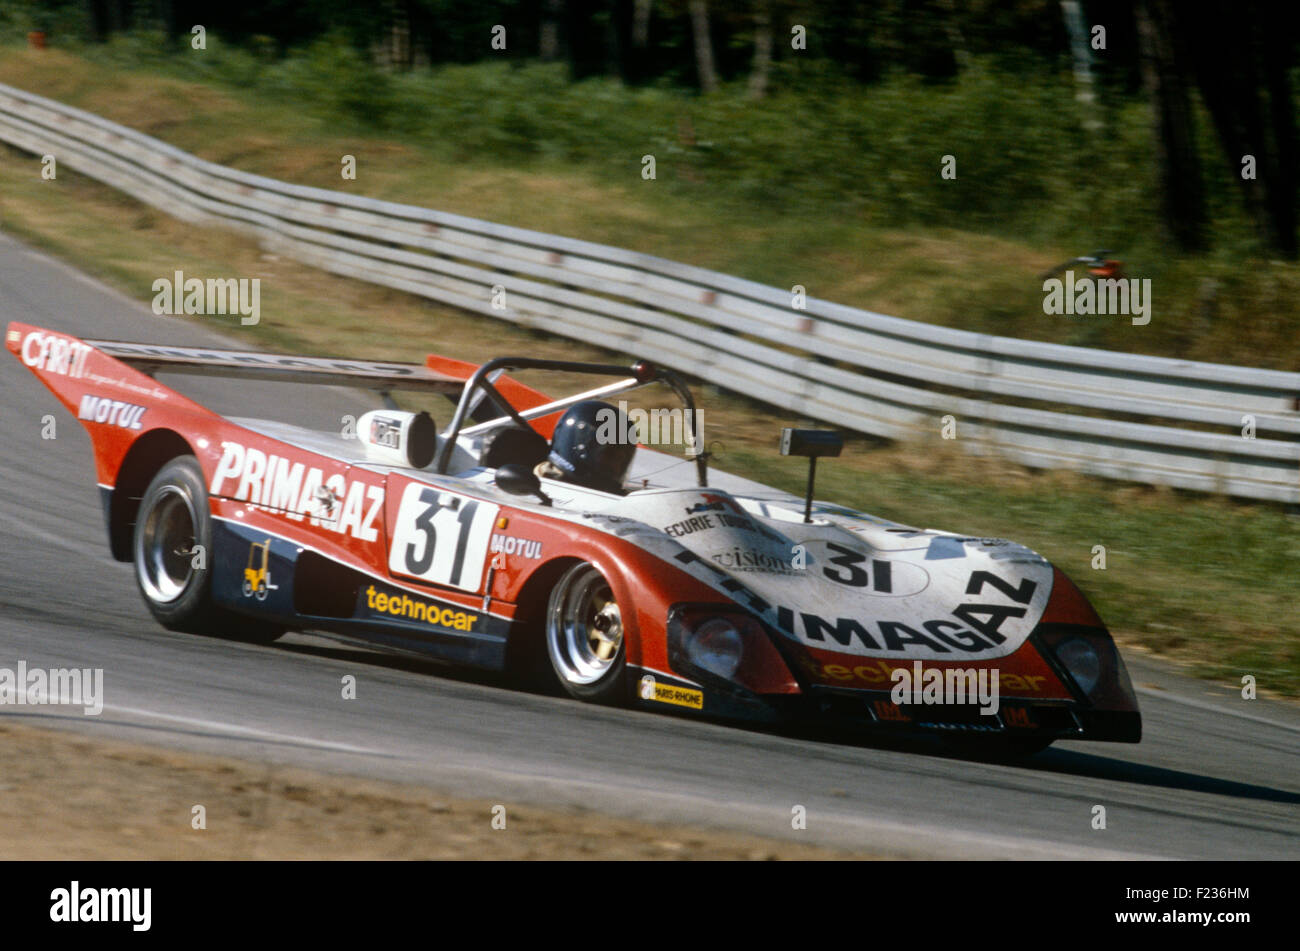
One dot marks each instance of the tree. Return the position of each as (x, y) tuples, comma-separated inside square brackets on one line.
[(586, 40), (1241, 64), (549, 35), (704, 68), (762, 49), (1178, 168)]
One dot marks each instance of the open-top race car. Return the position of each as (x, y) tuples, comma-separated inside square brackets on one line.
[(536, 531)]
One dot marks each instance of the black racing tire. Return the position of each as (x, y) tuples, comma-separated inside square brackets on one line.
[(173, 518), (585, 637)]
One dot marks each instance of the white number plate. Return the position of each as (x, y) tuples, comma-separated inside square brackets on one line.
[(441, 537)]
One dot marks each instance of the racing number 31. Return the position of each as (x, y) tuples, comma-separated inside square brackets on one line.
[(441, 537)]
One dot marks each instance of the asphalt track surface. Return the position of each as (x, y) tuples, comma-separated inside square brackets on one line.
[(1214, 777)]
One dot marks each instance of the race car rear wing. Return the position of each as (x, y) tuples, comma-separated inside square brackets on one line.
[(203, 361)]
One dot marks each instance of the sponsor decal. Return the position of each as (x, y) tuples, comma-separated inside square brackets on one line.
[(414, 609), (273, 482), (879, 673), (101, 409), (718, 511), (386, 432), (257, 576), (665, 693), (749, 559), (690, 526), (256, 359), (1019, 718), (120, 382), (962, 727), (979, 630), (940, 636), (513, 545), (54, 353), (888, 710), (715, 503)]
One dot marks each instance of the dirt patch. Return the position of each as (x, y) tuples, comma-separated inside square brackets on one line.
[(70, 796)]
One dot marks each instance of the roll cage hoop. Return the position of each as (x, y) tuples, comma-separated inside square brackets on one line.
[(641, 374)]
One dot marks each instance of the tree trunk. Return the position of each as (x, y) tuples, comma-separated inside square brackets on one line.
[(1278, 60), (1182, 194), (952, 26), (630, 57), (762, 50), (119, 15), (97, 16), (586, 43), (549, 35), (1241, 65), (399, 39), (703, 45), (1083, 85), (641, 24)]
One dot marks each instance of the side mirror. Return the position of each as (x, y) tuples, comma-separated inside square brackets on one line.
[(520, 480), (811, 443)]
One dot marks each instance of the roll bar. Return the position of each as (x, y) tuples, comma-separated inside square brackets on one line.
[(642, 374)]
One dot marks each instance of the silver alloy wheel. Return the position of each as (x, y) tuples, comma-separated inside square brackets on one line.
[(164, 545), (584, 627)]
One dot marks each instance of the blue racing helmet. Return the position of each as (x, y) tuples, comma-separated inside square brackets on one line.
[(593, 445)]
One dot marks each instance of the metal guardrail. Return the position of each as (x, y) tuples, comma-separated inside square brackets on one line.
[(1141, 418)]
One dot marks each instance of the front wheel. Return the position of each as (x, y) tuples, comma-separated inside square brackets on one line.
[(584, 636), (172, 551)]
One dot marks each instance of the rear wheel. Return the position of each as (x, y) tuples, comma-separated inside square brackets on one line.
[(584, 636), (172, 551)]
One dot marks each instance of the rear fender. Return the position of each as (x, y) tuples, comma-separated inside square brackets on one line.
[(135, 423)]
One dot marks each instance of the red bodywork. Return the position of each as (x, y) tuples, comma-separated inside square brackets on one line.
[(136, 423)]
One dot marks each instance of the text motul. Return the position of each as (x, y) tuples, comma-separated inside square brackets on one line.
[(101, 409)]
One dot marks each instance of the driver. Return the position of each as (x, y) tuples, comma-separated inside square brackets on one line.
[(592, 446)]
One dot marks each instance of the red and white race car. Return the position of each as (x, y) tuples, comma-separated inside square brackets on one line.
[(528, 531)]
